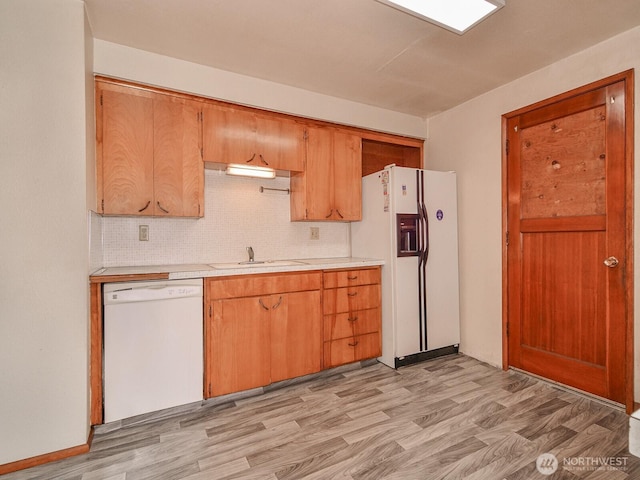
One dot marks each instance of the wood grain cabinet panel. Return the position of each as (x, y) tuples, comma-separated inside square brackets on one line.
[(148, 153), (125, 146), (344, 325), (352, 316), (246, 137), (271, 330), (347, 278), (296, 335), (353, 349), (350, 299), (330, 188), (178, 168), (239, 355)]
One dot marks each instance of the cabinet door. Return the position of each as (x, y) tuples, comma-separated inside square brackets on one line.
[(178, 167), (228, 135), (125, 143), (279, 144), (296, 334), (319, 175), (239, 345), (347, 176)]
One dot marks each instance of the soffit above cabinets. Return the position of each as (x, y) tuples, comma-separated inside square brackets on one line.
[(363, 50)]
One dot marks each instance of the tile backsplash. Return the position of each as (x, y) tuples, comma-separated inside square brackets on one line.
[(237, 215)]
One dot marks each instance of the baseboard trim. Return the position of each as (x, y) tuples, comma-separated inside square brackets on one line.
[(47, 457)]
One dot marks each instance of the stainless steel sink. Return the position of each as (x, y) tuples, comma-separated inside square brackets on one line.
[(268, 263)]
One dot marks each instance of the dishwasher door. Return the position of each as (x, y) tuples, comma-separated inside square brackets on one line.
[(152, 346)]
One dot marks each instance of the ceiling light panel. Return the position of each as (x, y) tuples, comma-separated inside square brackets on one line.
[(455, 15)]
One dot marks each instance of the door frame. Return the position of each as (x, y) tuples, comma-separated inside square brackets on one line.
[(628, 78)]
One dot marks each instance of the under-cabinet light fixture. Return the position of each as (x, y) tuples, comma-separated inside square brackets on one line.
[(250, 171), (455, 15)]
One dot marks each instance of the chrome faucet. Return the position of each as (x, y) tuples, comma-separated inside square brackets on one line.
[(251, 256)]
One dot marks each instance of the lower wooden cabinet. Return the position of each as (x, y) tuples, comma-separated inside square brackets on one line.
[(351, 349), (352, 316), (239, 351), (261, 329)]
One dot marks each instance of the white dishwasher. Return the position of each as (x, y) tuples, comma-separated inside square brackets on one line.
[(152, 346)]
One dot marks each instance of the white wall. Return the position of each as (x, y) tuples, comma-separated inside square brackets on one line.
[(43, 228), (468, 139), (236, 215), (152, 69)]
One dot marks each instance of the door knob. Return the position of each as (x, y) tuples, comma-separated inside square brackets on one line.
[(611, 262)]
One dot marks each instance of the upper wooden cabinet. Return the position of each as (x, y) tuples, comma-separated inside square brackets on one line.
[(148, 153), (246, 137), (330, 188)]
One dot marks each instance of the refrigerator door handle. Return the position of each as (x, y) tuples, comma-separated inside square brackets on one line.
[(423, 252), (425, 230)]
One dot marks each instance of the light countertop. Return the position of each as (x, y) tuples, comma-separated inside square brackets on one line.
[(210, 270)]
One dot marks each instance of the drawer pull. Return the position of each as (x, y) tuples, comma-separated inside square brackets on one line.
[(160, 207), (262, 304), (352, 294), (352, 278), (352, 319), (277, 304), (353, 344)]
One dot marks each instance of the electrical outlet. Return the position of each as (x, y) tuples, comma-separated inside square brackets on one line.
[(315, 233), (143, 233)]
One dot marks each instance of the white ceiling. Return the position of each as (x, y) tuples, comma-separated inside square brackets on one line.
[(363, 50)]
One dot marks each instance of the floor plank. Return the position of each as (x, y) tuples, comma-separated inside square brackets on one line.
[(447, 418)]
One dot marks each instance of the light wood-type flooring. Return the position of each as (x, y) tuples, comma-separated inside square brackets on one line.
[(448, 418)]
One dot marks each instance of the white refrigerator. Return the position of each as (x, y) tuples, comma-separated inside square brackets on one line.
[(409, 219)]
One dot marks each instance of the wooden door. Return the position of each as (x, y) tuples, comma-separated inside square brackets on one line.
[(178, 168), (568, 257), (125, 143), (347, 179), (296, 334), (240, 351)]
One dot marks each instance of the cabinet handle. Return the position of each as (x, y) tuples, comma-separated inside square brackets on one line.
[(352, 278), (352, 294), (353, 344), (145, 207), (251, 159), (277, 304), (160, 207), (330, 213), (263, 160), (352, 319), (262, 304), (339, 214)]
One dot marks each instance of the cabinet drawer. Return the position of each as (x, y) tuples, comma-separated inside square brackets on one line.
[(343, 325), (268, 284), (349, 350), (347, 278), (350, 299)]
